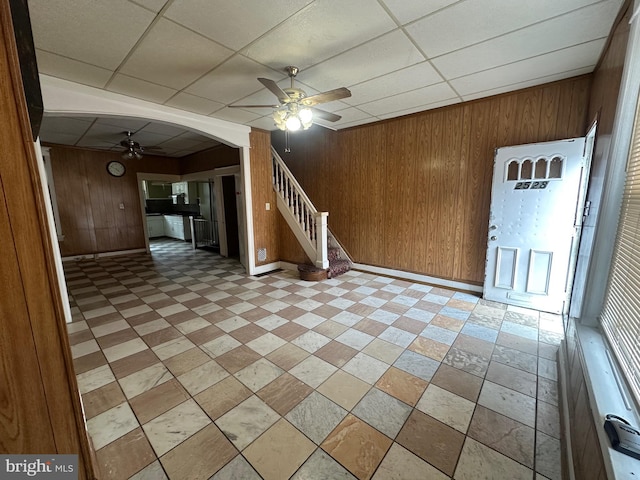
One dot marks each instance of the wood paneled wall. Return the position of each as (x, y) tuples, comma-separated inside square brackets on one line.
[(413, 193), (265, 222), (40, 410), (217, 157), (89, 199)]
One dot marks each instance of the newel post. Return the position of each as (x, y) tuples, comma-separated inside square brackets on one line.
[(322, 241)]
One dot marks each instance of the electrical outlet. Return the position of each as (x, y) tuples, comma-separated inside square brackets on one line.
[(121, 206), (268, 206)]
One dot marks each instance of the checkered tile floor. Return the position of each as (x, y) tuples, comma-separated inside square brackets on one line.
[(190, 369)]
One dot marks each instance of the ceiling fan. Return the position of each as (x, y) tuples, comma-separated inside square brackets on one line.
[(133, 149), (296, 109)]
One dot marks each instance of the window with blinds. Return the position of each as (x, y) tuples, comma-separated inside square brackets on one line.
[(621, 312)]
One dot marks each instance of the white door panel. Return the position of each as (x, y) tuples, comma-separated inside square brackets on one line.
[(532, 224)]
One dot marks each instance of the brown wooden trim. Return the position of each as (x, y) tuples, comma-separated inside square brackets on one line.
[(25, 206)]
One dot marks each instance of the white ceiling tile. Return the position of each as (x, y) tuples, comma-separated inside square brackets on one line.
[(70, 125), (73, 70), (350, 114), (137, 88), (527, 83), (123, 123), (356, 123), (564, 31), (148, 139), (409, 10), (153, 5), (162, 58), (236, 115), (234, 79), (179, 143), (473, 21), (320, 31), (233, 24), (264, 123), (191, 103), (95, 32), (580, 56), (412, 99), (421, 108), (60, 138), (383, 55), (164, 129), (409, 78)]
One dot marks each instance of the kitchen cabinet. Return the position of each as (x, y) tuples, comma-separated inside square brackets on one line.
[(155, 226), (177, 226), (180, 188)]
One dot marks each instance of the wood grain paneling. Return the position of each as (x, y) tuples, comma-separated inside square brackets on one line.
[(413, 193), (89, 199), (40, 410), (265, 222), (217, 157)]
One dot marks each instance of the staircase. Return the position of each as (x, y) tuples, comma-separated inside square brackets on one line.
[(337, 265), (307, 224)]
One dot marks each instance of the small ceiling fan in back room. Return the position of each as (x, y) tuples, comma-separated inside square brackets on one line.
[(133, 149), (296, 110)]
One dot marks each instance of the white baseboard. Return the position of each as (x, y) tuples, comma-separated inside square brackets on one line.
[(95, 256), (389, 272), (269, 267)]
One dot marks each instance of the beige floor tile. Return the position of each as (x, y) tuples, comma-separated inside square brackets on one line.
[(102, 399), (508, 402), (133, 363), (480, 461), (456, 381), (431, 440), (384, 351), (313, 371), (237, 359), (329, 328), (125, 456), (402, 385), (202, 377), (158, 400), (279, 451), (145, 379), (186, 361), (172, 348), (124, 349), (222, 397), (357, 446), (344, 389), (111, 425), (429, 348), (287, 356), (209, 448), (246, 422), (447, 407), (507, 436), (400, 463), (284, 393), (175, 426), (96, 378)]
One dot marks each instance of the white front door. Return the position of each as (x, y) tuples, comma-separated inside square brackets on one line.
[(536, 207)]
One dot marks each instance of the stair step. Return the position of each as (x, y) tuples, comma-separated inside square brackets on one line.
[(333, 254), (338, 267)]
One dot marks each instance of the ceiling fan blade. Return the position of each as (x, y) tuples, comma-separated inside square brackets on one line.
[(275, 89), (253, 106), (332, 117), (325, 97)]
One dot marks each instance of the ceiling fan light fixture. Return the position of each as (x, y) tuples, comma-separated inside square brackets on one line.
[(293, 123), (128, 155)]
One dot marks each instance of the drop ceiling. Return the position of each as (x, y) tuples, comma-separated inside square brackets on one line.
[(396, 56)]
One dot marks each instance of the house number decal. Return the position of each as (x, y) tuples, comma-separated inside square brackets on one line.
[(530, 185)]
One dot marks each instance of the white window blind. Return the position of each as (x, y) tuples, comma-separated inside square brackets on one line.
[(621, 312)]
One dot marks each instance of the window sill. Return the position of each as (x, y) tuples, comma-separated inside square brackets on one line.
[(607, 394)]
